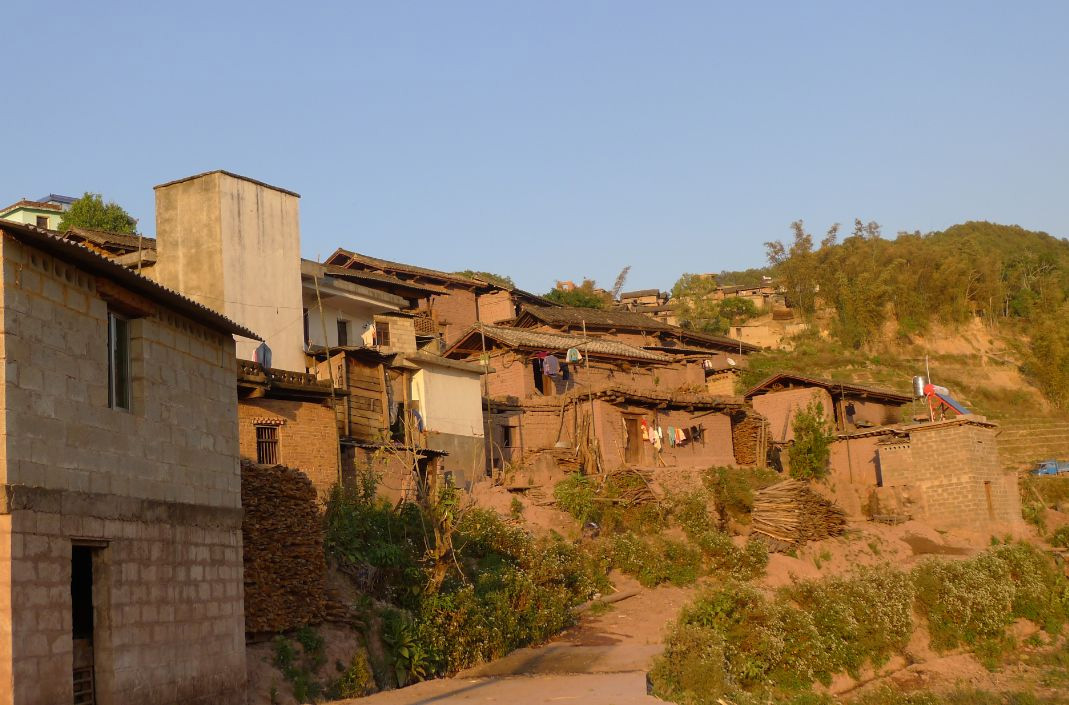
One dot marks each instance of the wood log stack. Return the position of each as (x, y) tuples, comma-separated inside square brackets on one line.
[(285, 570), (747, 435), (788, 514)]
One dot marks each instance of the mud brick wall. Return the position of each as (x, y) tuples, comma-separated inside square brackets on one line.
[(454, 311), (780, 407), (722, 383), (496, 306), (511, 376), (955, 472), (716, 449), (282, 530), (307, 436)]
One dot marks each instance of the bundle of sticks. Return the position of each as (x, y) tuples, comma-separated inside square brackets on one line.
[(788, 514), (631, 486)]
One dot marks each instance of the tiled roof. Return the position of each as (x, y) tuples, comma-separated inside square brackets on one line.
[(830, 385), (640, 292), (537, 340), (105, 238), (388, 266), (32, 204), (594, 318), (90, 261), (375, 277)]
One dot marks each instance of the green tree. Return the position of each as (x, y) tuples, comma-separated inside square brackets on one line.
[(796, 266), (498, 279), (90, 211), (586, 295), (810, 452), (696, 309)]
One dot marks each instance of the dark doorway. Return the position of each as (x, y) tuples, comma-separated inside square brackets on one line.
[(82, 623), (633, 452)]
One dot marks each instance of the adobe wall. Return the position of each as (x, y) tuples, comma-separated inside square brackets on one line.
[(454, 312), (496, 306), (168, 588), (307, 436), (780, 407), (873, 412), (716, 448), (721, 383), (953, 470), (854, 471)]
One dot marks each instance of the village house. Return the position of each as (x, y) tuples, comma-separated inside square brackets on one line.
[(547, 391), (846, 406), (120, 519), (461, 301), (650, 302), (46, 212)]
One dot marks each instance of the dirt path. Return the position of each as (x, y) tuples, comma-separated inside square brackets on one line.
[(601, 661)]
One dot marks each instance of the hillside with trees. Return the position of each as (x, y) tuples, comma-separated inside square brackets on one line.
[(874, 291)]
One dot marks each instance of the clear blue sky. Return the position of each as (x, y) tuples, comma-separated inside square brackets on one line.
[(553, 139)]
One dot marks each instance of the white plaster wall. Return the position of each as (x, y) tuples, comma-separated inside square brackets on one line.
[(450, 400)]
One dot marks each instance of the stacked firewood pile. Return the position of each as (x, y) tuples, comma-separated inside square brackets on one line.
[(282, 532), (631, 486), (748, 436), (788, 514)]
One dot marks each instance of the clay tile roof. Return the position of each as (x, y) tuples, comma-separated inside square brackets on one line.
[(594, 318), (376, 278), (106, 238), (640, 292), (388, 267), (537, 340), (40, 205), (831, 385), (89, 261)]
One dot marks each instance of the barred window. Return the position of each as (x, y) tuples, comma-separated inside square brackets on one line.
[(267, 444)]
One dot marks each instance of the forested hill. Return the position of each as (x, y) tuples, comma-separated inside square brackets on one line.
[(1010, 277)]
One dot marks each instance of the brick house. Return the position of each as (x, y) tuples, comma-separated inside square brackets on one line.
[(120, 518)]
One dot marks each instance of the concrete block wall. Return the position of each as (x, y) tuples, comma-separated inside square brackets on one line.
[(177, 444), (956, 473), (307, 436), (155, 489), (169, 617)]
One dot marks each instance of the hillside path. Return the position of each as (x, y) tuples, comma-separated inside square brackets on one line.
[(601, 661)]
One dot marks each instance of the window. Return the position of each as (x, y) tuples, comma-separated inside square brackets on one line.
[(382, 332), (307, 337), (508, 436), (343, 332), (42, 221), (118, 361), (267, 444)]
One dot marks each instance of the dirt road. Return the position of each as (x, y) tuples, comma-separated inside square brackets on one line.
[(601, 661)]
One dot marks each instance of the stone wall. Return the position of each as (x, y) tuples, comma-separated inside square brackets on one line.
[(307, 436)]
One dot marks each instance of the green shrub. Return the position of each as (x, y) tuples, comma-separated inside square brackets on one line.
[(1060, 537), (811, 450), (357, 679), (655, 560), (725, 557), (575, 494), (733, 490)]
